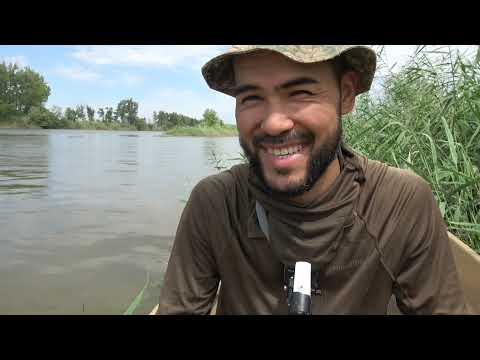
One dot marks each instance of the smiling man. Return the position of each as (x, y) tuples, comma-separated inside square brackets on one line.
[(368, 230)]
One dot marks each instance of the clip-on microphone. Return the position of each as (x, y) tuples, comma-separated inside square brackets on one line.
[(299, 289)]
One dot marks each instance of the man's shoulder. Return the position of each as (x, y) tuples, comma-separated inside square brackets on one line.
[(395, 205), (393, 192), (391, 181), (225, 183)]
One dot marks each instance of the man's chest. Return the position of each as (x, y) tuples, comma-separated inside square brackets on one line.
[(353, 282)]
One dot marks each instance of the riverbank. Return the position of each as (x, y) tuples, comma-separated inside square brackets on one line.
[(201, 131), (84, 125), (17, 124), (204, 131)]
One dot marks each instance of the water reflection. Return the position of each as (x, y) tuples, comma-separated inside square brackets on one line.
[(128, 154)]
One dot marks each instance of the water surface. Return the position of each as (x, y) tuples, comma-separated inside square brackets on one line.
[(84, 215)]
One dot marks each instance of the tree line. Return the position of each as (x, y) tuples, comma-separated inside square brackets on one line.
[(24, 93), (166, 121)]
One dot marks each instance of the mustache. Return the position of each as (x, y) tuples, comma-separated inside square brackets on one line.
[(290, 136)]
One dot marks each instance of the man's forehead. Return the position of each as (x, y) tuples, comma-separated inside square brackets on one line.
[(273, 70)]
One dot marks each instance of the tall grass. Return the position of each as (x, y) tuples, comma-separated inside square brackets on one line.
[(428, 120)]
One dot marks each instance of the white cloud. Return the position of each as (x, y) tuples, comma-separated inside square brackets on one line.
[(77, 73), (147, 55), (188, 103), (80, 73), (132, 80), (21, 60)]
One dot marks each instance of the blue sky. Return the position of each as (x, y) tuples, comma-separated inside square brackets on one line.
[(164, 78), (160, 77)]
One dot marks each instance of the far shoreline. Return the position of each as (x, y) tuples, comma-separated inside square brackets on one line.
[(204, 131), (224, 131)]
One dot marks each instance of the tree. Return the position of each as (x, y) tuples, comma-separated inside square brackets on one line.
[(141, 124), (90, 113), (60, 122), (109, 116), (127, 111), (101, 114), (70, 115), (44, 118), (57, 111), (32, 91), (7, 111), (210, 118), (80, 110), (162, 120), (165, 121), (21, 89)]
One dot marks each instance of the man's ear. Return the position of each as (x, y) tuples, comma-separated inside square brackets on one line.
[(348, 84)]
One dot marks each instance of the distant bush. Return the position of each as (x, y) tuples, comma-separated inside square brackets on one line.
[(141, 124), (45, 119)]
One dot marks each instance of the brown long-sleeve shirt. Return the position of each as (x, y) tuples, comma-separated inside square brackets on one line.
[(378, 231)]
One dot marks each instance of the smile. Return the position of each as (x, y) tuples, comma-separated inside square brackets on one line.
[(285, 151)]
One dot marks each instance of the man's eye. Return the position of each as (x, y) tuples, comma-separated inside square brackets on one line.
[(301, 92), (251, 98)]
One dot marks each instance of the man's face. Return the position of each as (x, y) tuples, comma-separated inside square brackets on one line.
[(288, 117)]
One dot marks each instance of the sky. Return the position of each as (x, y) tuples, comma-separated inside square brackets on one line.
[(158, 77)]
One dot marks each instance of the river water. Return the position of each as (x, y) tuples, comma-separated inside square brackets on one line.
[(85, 216)]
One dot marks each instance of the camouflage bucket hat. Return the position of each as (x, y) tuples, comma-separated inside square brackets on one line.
[(218, 72)]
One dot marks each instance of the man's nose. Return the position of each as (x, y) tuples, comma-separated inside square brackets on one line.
[(276, 121)]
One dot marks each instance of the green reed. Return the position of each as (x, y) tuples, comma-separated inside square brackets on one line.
[(427, 119)]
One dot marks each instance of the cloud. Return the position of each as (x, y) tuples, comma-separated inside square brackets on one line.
[(147, 55), (77, 73), (20, 60), (188, 102), (131, 80)]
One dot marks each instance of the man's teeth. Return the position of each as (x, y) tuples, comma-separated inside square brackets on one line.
[(285, 151)]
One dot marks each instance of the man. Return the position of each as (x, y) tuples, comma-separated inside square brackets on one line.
[(369, 231)]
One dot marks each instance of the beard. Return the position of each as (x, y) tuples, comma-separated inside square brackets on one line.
[(320, 159)]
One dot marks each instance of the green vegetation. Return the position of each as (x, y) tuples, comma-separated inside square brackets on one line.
[(137, 301), (165, 121), (23, 94), (218, 130), (21, 90), (428, 120), (210, 125)]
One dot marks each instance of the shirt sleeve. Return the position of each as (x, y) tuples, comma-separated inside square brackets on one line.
[(427, 281), (191, 279)]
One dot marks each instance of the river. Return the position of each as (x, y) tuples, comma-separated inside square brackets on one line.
[(86, 215)]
